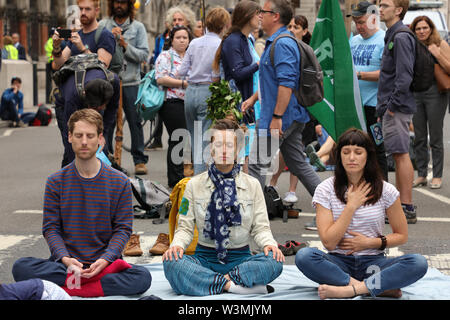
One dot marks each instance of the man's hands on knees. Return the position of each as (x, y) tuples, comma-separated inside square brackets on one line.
[(277, 254), (174, 251)]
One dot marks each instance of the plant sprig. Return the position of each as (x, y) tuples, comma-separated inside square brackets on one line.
[(223, 101)]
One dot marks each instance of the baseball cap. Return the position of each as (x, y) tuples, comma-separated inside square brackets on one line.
[(361, 9)]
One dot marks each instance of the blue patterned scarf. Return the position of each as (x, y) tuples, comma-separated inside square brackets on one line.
[(223, 210)]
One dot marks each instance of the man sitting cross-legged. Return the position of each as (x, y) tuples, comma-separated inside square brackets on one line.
[(87, 221)]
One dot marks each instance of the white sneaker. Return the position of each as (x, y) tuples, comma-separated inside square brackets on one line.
[(290, 197)]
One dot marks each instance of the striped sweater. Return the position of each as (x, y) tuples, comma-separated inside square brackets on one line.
[(87, 219)]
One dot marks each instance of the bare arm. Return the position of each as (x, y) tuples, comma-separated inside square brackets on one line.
[(369, 75), (172, 82)]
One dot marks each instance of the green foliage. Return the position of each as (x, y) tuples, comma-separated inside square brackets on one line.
[(223, 101)]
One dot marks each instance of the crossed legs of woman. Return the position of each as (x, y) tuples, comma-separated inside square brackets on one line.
[(194, 276), (341, 276)]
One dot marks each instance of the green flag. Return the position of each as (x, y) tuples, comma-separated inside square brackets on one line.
[(342, 107)]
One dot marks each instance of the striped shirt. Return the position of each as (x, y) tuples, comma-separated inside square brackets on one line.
[(367, 220), (87, 219)]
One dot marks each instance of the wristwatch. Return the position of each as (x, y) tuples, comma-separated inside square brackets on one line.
[(277, 116)]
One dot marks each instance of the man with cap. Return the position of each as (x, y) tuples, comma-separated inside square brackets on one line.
[(367, 50), (132, 39), (100, 95)]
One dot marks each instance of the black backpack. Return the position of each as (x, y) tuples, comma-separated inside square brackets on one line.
[(274, 203), (78, 65), (423, 65), (42, 117), (310, 86)]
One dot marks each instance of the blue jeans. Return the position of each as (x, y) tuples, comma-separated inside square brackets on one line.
[(378, 272), (195, 109), (202, 275), (134, 123)]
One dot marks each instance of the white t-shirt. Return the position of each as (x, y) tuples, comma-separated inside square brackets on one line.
[(367, 220)]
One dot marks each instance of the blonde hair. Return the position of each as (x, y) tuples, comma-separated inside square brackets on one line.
[(187, 13), (217, 19)]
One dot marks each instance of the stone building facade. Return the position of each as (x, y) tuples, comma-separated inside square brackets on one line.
[(32, 19)]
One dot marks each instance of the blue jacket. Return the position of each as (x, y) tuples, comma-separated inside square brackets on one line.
[(396, 73), (285, 73), (16, 99), (238, 63)]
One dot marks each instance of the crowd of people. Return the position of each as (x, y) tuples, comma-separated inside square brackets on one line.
[(88, 205)]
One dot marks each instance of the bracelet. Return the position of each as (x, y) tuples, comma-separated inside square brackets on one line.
[(182, 84), (277, 116), (359, 75), (383, 242)]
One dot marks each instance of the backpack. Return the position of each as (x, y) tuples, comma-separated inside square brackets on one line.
[(43, 117), (310, 86), (152, 197), (79, 65), (118, 62), (423, 65), (274, 203), (150, 97)]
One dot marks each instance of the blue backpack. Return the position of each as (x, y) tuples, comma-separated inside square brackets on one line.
[(150, 97)]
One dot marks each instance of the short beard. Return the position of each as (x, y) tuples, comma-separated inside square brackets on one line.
[(120, 15)]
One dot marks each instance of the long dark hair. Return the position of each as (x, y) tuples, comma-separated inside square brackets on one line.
[(242, 14), (131, 9), (372, 172)]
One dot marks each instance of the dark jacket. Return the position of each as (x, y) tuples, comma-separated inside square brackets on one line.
[(396, 73), (238, 63)]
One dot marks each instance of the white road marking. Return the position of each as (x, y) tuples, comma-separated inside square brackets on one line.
[(433, 195), (10, 241), (29, 211), (8, 132), (309, 235)]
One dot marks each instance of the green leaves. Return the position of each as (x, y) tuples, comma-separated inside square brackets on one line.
[(223, 101)]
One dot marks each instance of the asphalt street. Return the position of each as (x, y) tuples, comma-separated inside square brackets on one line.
[(29, 155)]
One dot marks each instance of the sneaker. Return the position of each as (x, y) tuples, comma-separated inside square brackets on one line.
[(161, 245), (290, 197), (411, 216), (311, 225), (20, 124), (315, 161), (297, 245), (287, 249), (133, 246), (140, 169), (310, 149), (156, 144)]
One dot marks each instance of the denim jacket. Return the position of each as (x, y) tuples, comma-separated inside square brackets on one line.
[(255, 222), (135, 35)]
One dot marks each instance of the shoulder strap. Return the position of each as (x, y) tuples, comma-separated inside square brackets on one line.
[(98, 32), (272, 47)]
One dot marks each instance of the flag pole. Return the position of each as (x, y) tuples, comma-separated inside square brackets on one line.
[(203, 16)]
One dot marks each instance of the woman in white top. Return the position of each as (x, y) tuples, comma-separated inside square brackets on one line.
[(350, 213), (172, 111), (227, 207)]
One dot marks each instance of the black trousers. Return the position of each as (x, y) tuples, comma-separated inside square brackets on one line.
[(172, 114), (371, 119)]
